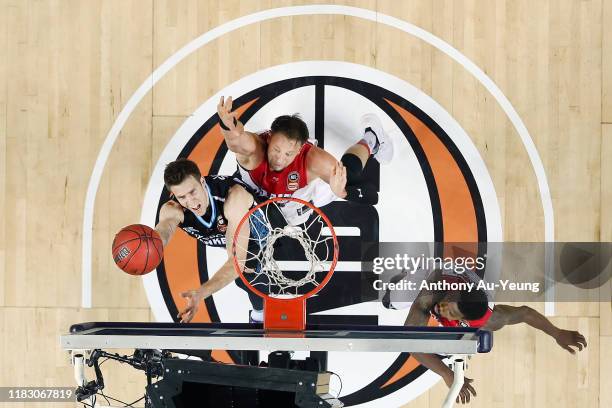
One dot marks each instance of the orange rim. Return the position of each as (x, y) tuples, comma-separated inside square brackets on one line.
[(335, 246)]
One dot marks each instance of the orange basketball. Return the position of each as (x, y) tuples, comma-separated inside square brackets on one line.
[(137, 249)]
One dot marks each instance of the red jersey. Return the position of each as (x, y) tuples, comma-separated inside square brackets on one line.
[(269, 183), (467, 276), (463, 323)]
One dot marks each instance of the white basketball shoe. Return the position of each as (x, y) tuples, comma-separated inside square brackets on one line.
[(380, 144)]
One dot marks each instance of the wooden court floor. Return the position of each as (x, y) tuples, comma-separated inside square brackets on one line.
[(67, 69)]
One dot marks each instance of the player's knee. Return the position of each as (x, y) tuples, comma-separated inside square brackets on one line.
[(353, 167)]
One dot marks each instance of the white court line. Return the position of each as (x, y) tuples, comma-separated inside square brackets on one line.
[(264, 15)]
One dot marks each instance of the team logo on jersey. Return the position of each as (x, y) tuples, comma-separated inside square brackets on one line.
[(221, 224), (293, 181)]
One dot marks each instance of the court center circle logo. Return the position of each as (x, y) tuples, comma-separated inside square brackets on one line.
[(437, 175)]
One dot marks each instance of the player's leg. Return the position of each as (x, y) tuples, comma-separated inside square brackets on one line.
[(256, 314), (258, 232), (374, 143)]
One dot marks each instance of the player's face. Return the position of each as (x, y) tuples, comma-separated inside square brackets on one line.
[(448, 310), (282, 151), (191, 195)]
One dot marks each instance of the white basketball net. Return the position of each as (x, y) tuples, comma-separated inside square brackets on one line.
[(317, 256)]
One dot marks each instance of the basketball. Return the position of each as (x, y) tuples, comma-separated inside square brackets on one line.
[(137, 249)]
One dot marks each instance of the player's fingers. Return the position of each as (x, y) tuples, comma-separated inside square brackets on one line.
[(220, 104), (568, 348), (229, 103), (188, 317), (471, 389)]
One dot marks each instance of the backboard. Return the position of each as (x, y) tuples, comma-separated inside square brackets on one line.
[(238, 336)]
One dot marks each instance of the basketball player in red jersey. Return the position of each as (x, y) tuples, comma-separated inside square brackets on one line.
[(472, 309), (282, 162)]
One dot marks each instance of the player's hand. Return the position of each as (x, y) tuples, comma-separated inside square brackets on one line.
[(337, 180), (467, 390), (224, 110), (568, 339), (193, 297)]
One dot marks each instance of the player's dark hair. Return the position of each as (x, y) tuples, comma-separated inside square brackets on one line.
[(177, 171), (291, 126), (473, 304)]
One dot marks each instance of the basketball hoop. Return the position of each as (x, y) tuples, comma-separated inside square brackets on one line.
[(268, 233)]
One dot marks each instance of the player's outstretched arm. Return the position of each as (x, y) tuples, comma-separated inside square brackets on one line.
[(504, 315), (419, 316), (236, 205), (170, 216), (238, 140)]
